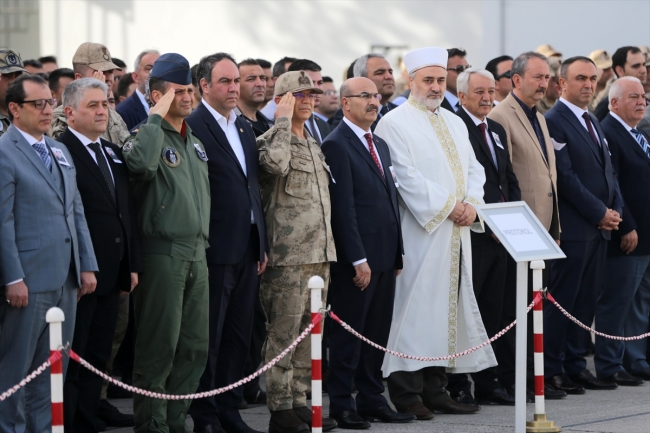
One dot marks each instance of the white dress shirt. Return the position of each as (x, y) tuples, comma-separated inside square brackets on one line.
[(86, 141), (627, 127), (269, 109), (487, 134), (232, 134), (361, 134), (579, 112), (452, 99), (143, 100)]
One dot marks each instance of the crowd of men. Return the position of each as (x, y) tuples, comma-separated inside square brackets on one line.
[(178, 228)]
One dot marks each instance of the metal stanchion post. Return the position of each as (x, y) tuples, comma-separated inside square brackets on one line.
[(540, 424), (316, 286), (54, 317)]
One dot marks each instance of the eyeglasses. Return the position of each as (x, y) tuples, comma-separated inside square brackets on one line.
[(366, 96), (331, 93), (304, 95), (506, 74), (39, 104), (459, 68)]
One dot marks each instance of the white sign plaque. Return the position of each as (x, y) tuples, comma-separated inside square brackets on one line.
[(520, 232)]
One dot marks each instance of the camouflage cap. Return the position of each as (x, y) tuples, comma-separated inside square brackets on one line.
[(554, 64), (601, 59), (95, 56), (10, 61), (548, 51), (646, 53), (294, 81)]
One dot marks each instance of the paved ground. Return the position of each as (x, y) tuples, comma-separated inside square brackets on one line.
[(625, 410)]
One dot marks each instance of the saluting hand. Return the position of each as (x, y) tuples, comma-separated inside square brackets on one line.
[(162, 106), (285, 106)]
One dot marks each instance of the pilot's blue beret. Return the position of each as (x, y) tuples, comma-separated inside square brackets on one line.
[(172, 67)]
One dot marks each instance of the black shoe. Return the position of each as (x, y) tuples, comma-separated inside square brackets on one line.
[(304, 414), (115, 392), (387, 415), (465, 397), (499, 396), (562, 382), (590, 382), (453, 407), (113, 417), (237, 427), (643, 374), (286, 421), (257, 399), (530, 394), (420, 411), (211, 428), (350, 420), (623, 378), (551, 393)]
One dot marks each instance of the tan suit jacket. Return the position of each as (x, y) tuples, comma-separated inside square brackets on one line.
[(537, 177)]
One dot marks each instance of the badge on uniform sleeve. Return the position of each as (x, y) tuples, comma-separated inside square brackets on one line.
[(171, 157), (59, 156), (200, 153), (497, 139), (112, 154), (128, 146)]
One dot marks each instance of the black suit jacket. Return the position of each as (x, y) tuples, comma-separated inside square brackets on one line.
[(132, 111), (445, 104), (323, 127), (338, 117), (499, 180), (113, 225), (632, 166), (586, 183), (233, 194), (365, 216)]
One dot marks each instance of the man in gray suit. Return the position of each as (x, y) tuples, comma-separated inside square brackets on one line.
[(46, 255)]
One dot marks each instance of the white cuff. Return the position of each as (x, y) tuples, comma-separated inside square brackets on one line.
[(14, 282), (358, 262)]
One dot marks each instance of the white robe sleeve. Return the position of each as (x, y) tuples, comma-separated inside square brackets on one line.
[(429, 202), (475, 182)]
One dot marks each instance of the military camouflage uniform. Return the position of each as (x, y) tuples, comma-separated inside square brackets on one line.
[(116, 132), (295, 192), (4, 124)]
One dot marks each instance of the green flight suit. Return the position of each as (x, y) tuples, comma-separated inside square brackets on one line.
[(169, 176)]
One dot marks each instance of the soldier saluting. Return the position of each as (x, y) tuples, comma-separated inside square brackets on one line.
[(294, 181), (170, 186)]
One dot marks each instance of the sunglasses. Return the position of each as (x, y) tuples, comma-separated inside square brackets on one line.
[(506, 74), (459, 68)]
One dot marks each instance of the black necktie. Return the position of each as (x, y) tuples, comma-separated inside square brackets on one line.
[(384, 110), (103, 167)]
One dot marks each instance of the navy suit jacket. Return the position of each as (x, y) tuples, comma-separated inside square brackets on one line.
[(365, 215), (586, 183), (233, 194), (132, 111), (632, 167), (499, 180)]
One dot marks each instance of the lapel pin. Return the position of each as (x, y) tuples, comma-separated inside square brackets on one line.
[(241, 130)]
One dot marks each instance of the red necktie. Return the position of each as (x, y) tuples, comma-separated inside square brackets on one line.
[(371, 147)]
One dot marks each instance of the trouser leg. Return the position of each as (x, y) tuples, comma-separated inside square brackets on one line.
[(637, 323), (405, 388)]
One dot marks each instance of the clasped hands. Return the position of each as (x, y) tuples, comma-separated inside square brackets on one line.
[(610, 221), (463, 214)]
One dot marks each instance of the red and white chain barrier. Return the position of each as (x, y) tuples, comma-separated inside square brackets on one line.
[(589, 328), (44, 366), (427, 358), (302, 336)]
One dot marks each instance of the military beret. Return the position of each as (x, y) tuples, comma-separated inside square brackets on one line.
[(172, 67)]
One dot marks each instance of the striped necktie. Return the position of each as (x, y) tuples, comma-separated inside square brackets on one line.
[(42, 151), (641, 140)]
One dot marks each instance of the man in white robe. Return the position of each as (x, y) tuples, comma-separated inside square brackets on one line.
[(439, 180)]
